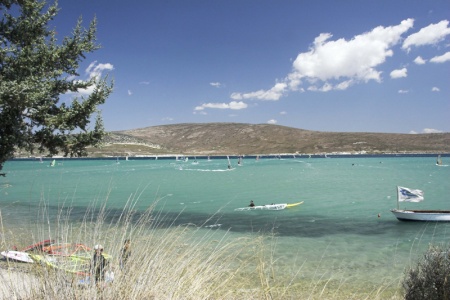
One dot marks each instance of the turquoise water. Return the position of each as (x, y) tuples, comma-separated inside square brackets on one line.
[(344, 229)]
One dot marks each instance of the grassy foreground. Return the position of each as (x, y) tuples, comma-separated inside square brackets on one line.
[(174, 262)]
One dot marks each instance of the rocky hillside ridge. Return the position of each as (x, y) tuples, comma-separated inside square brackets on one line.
[(246, 139)]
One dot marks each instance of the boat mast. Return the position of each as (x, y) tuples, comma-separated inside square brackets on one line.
[(398, 206)]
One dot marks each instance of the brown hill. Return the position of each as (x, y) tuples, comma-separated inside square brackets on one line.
[(236, 139)]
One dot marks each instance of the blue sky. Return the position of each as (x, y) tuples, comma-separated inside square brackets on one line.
[(352, 66)]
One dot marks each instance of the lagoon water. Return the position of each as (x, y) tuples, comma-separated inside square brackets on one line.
[(343, 230)]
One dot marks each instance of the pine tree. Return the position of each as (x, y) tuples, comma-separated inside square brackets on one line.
[(35, 71)]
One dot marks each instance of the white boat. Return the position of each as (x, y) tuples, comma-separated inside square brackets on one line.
[(422, 215), (410, 195)]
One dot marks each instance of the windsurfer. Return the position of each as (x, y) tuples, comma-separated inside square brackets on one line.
[(125, 253), (98, 264)]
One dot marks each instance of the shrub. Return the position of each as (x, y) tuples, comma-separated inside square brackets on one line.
[(430, 278)]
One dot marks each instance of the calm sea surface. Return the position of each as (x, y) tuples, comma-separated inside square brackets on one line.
[(344, 229)]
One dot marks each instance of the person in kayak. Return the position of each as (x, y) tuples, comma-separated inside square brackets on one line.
[(251, 203)]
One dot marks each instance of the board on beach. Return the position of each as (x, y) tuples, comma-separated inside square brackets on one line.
[(18, 256)]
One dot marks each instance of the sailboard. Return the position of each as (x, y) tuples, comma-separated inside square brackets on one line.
[(17, 256), (229, 163)]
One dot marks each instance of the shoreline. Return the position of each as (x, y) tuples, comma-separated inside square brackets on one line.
[(234, 156)]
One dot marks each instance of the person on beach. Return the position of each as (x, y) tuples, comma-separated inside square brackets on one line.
[(98, 264), (251, 203), (125, 253)]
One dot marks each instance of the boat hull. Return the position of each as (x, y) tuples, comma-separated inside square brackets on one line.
[(422, 215)]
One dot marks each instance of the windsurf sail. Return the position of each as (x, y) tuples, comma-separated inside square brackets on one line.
[(229, 162), (52, 164)]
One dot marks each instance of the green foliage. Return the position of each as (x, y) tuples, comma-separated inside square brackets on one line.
[(35, 70), (430, 279)]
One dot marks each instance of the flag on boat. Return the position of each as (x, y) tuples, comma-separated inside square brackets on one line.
[(409, 195)]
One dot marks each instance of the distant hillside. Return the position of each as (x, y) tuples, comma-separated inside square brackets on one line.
[(245, 139)]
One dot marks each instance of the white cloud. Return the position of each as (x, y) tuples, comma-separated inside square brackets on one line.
[(272, 121), (325, 88), (441, 59), (344, 85), (430, 35), (200, 112), (403, 91), (337, 64), (232, 105), (419, 61), (87, 91), (435, 89), (215, 84), (273, 94), (399, 73), (95, 70), (283, 113), (426, 130), (145, 82), (351, 59), (431, 130), (130, 93)]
